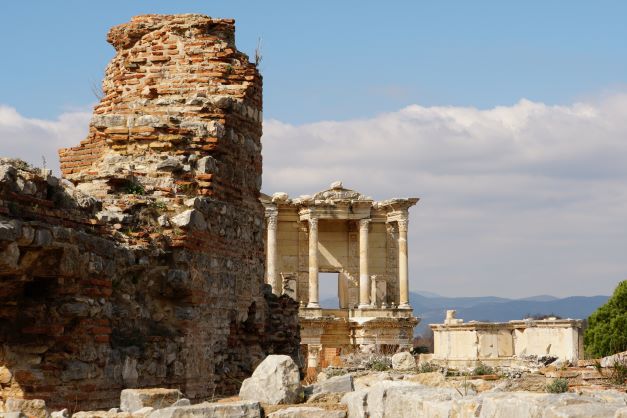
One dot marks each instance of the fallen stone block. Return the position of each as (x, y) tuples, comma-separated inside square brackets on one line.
[(590, 410), (241, 409), (306, 412), (275, 381), (336, 384), (132, 400), (35, 408), (357, 404), (403, 361)]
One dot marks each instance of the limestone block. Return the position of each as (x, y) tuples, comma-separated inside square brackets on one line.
[(590, 410), (275, 381), (356, 403), (31, 407), (60, 414), (170, 164), (12, 415), (337, 384), (404, 399), (5, 375), (190, 219), (403, 361), (306, 412), (433, 379), (241, 409), (519, 404), (147, 410), (132, 400), (207, 164), (621, 413), (112, 413), (365, 382)]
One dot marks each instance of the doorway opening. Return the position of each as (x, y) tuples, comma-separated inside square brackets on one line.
[(329, 290)]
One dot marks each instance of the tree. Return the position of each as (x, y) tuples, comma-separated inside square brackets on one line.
[(607, 326)]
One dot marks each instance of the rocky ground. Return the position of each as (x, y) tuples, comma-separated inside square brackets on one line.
[(381, 387)]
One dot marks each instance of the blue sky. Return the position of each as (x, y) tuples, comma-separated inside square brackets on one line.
[(340, 59), (508, 119)]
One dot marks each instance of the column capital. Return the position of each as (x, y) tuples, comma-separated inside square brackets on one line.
[(313, 223), (363, 224), (273, 218), (403, 224)]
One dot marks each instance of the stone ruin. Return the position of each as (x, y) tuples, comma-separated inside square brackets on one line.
[(363, 242), (144, 265)]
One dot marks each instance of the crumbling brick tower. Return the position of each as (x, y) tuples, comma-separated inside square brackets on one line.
[(158, 282)]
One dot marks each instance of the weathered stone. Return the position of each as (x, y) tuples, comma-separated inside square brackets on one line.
[(357, 404), (306, 412), (60, 414), (337, 384), (170, 164), (428, 379), (132, 400), (621, 413), (275, 381), (5, 375), (147, 410), (242, 409), (403, 361), (585, 410), (207, 164), (31, 407), (190, 219)]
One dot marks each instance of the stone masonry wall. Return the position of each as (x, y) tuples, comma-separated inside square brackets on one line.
[(144, 266)]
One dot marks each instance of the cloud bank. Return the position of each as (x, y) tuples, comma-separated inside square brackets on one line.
[(515, 201), (31, 139)]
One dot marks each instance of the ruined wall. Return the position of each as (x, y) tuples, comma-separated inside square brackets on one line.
[(144, 266)]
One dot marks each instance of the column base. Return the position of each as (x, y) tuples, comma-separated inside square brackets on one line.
[(313, 305), (404, 306), (364, 306)]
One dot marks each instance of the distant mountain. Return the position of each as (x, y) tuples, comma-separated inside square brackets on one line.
[(495, 309), (540, 298)]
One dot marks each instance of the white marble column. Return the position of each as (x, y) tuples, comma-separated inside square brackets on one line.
[(313, 263), (403, 276), (272, 254), (364, 285)]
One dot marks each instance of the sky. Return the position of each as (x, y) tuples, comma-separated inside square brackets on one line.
[(507, 119)]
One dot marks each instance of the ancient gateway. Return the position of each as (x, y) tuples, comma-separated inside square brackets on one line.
[(361, 240)]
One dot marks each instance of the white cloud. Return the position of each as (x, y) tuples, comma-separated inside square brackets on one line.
[(516, 200), (30, 139)]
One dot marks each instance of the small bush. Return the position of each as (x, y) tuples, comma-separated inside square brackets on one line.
[(135, 188), (618, 372), (379, 364), (557, 386), (427, 367), (482, 369)]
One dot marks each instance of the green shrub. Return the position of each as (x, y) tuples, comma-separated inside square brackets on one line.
[(482, 369), (557, 386), (607, 326), (135, 188), (427, 367)]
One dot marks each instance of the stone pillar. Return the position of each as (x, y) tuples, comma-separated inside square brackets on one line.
[(313, 263), (403, 276), (313, 353), (364, 277), (272, 254)]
